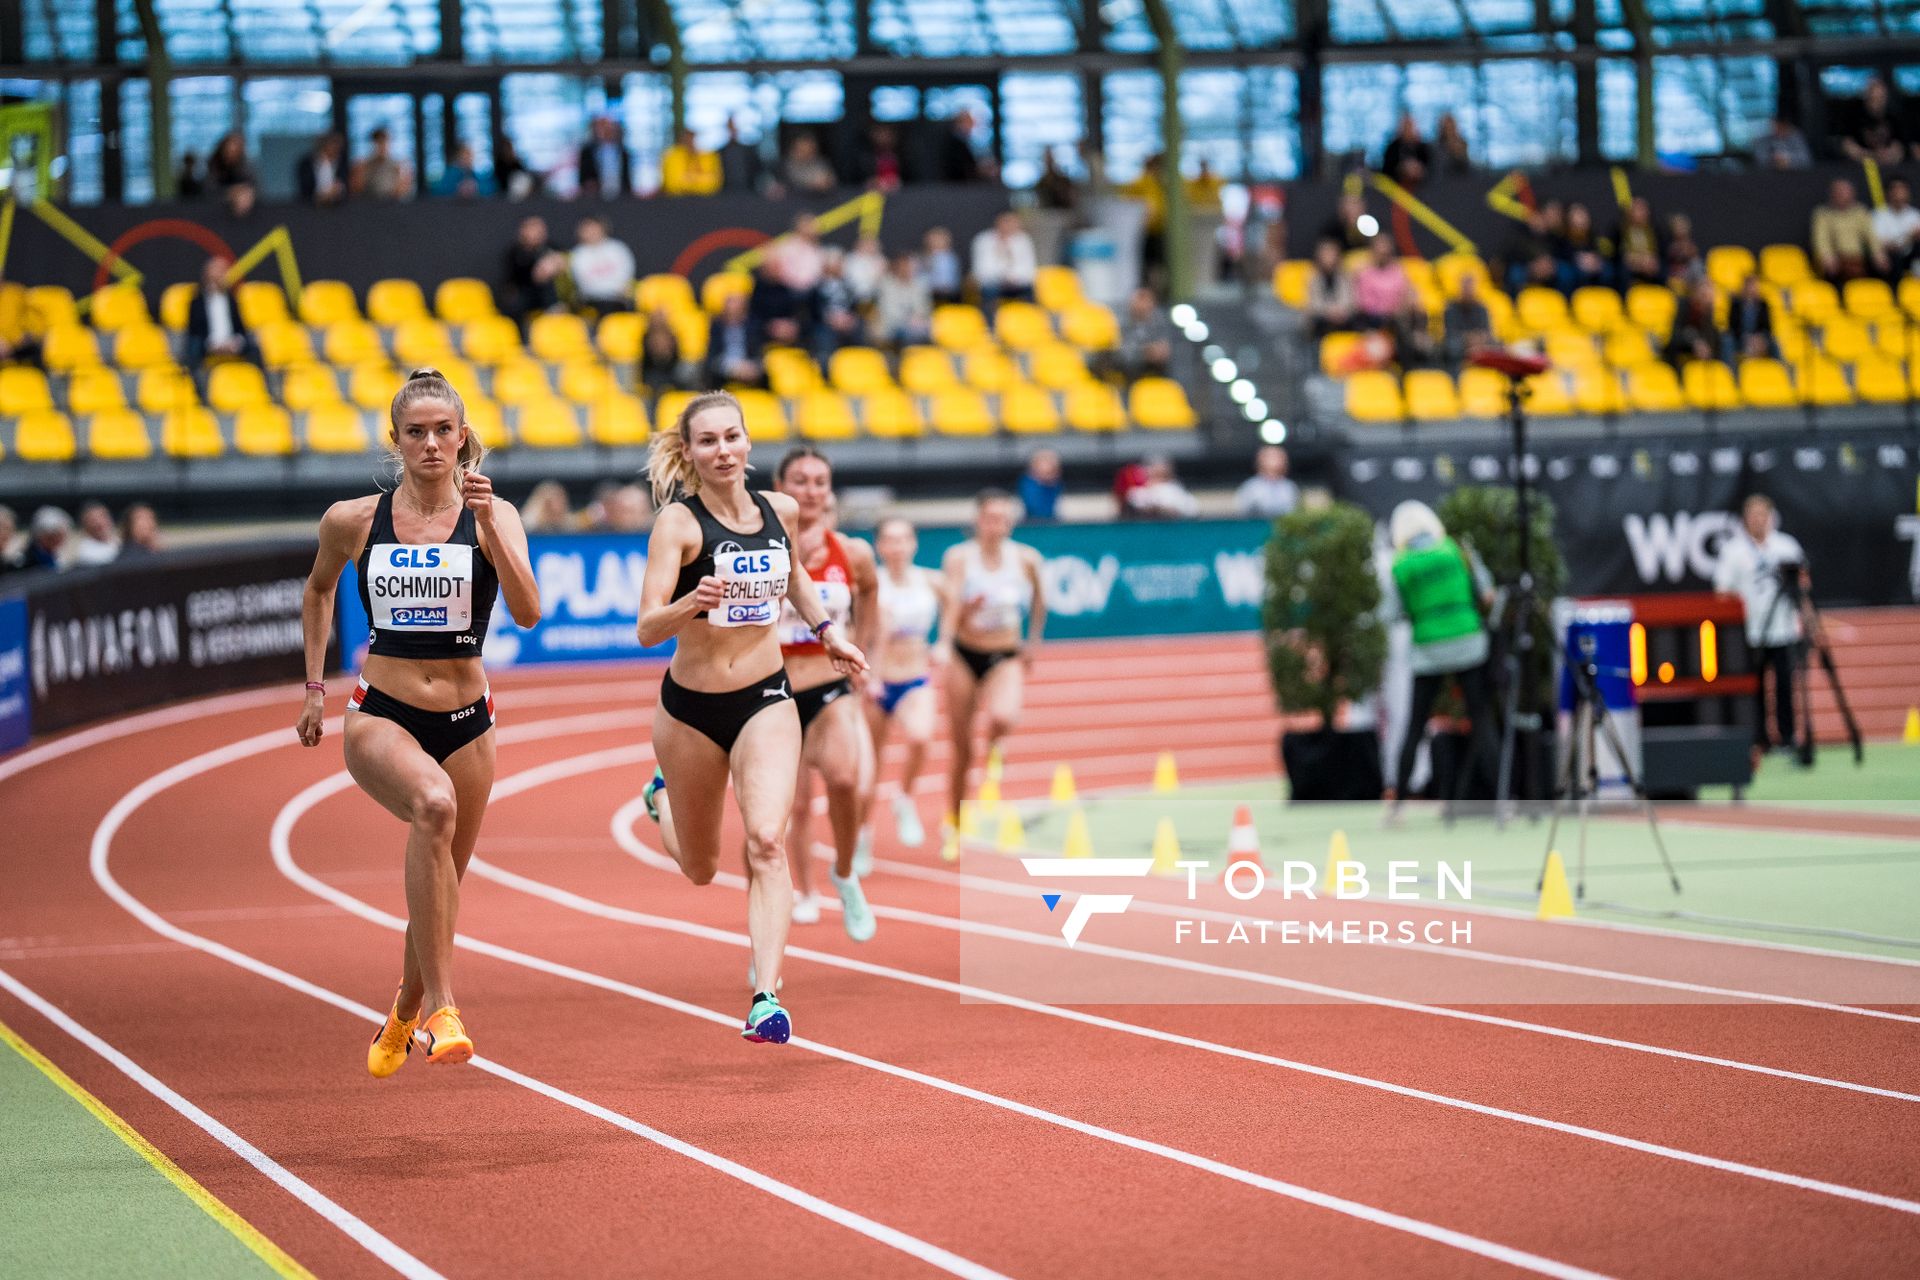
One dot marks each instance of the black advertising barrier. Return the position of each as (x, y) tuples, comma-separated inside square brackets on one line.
[(109, 640), (1638, 516)]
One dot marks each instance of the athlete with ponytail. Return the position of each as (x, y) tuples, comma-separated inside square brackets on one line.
[(432, 553), (719, 562), (903, 694)]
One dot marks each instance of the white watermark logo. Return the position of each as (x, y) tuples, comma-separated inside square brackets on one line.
[(1087, 905)]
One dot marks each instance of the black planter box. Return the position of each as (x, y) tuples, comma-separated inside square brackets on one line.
[(1331, 764)]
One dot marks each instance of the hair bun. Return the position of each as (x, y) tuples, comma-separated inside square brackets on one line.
[(426, 372)]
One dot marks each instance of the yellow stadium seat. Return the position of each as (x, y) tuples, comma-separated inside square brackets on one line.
[(693, 333), (765, 414), (1709, 385), (1844, 339), (70, 346), (142, 346), (557, 337), (1541, 310), (721, 285), (460, 375), (485, 420), (858, 370), (1880, 380), (490, 339), (163, 389), (584, 383), (394, 302), (463, 300), (49, 306), (550, 423), (791, 372), (825, 415), (1597, 310), (1090, 327), (117, 306), (927, 370), (1022, 325), (191, 432), (891, 414), (617, 420), (422, 341), (372, 385), (25, 390), (1729, 266), (1336, 351), (309, 385), (1430, 396), (1813, 301), (1909, 296), (989, 369), (325, 303), (1483, 393), (118, 435), (337, 428), (353, 342), (1868, 299), (1597, 391), (1548, 396), (234, 384), (1421, 275), (175, 301), (1291, 280), (1056, 288), (44, 435), (665, 292), (1450, 268), (1765, 384), (1095, 406), (1824, 382), (283, 344), (1784, 265), (1627, 347), (958, 327), (960, 412), (1161, 404), (1373, 395), (1898, 337), (90, 391), (667, 407), (620, 335), (520, 382), (1652, 306), (1506, 327), (261, 303), (1026, 409), (263, 431), (1057, 366), (1571, 349), (1654, 388)]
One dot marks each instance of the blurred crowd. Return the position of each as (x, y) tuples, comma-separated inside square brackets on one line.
[(53, 540)]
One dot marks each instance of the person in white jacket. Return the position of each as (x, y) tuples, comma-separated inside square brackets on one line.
[(1004, 261), (602, 269), (1757, 563)]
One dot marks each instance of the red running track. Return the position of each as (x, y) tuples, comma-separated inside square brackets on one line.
[(215, 904)]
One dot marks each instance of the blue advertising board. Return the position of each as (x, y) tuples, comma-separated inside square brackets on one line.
[(15, 707)]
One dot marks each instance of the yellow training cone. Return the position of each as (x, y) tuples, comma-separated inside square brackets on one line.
[(996, 764), (1556, 899), (1079, 842), (1337, 854), (1166, 848), (950, 847), (1166, 778), (1911, 735), (989, 793), (1063, 793), (968, 825), (1012, 835)]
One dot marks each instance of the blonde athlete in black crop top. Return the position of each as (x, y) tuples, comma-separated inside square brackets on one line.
[(419, 729)]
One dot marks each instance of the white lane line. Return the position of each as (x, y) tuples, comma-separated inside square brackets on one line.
[(354, 1228), (247, 748), (291, 813)]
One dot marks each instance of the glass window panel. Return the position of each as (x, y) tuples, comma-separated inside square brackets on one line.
[(1424, 19), (1619, 109), (1362, 101), (392, 111), (715, 97), (1845, 82), (1523, 114), (1489, 16), (531, 30), (136, 142), (59, 31), (546, 116), (894, 102), (944, 102), (645, 110), (738, 30), (86, 145), (1212, 107), (473, 125), (1131, 110), (202, 114), (1127, 27), (1356, 21), (956, 28), (277, 31), (801, 97), (283, 117), (1043, 113), (1273, 98)]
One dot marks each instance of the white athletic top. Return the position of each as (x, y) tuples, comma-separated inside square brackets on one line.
[(1004, 594), (910, 608)]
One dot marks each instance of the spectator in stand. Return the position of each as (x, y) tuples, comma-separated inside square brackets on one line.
[(139, 532), (1408, 157), (1466, 324), (227, 164), (1686, 265), (776, 312), (1055, 189), (379, 175), (462, 180), (1380, 287), (1039, 487), (866, 266), (1750, 323), (1643, 259), (1581, 256), (1844, 244), (99, 541), (799, 259), (879, 166), (320, 175), (534, 267), (944, 275), (734, 346), (513, 179), (1146, 338), (1162, 496), (1878, 133), (214, 331), (187, 184), (1897, 229), (1696, 335), (627, 509), (739, 162), (1268, 493), (546, 509), (839, 322), (661, 365), (958, 163), (686, 170), (1004, 261), (1344, 229), (1130, 477), (1150, 190), (1329, 291), (603, 167), (602, 269), (903, 305), (1450, 148), (240, 199), (1529, 258), (51, 541), (12, 554), (1783, 147), (1204, 188), (805, 170)]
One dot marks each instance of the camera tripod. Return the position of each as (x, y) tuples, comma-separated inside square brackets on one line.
[(1791, 595), (1518, 609)]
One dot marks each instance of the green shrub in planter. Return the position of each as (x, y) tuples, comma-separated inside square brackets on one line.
[(1485, 518)]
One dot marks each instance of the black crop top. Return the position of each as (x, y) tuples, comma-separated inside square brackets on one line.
[(426, 599), (754, 566)]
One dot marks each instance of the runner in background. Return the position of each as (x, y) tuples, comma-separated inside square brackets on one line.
[(901, 692)]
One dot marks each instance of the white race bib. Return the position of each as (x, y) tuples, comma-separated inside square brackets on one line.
[(421, 588), (755, 582), (835, 597)]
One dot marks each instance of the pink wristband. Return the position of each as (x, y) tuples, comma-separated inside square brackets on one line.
[(316, 686)]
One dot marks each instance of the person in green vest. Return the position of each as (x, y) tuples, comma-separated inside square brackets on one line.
[(1442, 589)]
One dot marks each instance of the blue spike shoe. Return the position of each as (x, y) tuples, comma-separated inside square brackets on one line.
[(767, 1022), (651, 796)]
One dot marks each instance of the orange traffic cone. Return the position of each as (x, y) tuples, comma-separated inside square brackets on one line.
[(1243, 842)]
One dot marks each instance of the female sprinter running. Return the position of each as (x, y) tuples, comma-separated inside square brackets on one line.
[(718, 561), (834, 740), (989, 581), (431, 555), (909, 610)]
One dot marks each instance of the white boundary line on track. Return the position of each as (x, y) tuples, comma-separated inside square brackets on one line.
[(527, 780), (365, 1236), (295, 808), (246, 748)]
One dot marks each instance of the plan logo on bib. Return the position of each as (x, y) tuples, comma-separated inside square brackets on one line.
[(404, 616)]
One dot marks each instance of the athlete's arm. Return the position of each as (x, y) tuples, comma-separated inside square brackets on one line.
[(342, 529), (805, 597), (674, 541), (952, 580), (503, 540), (1037, 612), (866, 595)]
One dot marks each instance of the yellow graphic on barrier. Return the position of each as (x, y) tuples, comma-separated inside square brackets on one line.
[(867, 208), (1423, 213), (1504, 197)]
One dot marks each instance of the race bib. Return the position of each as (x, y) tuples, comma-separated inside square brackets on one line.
[(835, 597), (421, 588), (755, 583)]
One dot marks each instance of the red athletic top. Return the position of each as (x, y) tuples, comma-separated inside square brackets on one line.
[(832, 576)]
